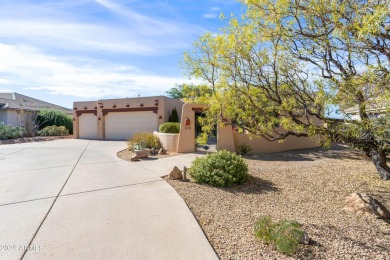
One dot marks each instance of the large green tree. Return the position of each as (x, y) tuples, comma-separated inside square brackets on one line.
[(281, 68)]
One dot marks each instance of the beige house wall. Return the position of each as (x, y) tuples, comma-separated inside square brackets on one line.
[(263, 146), (169, 105), (162, 105), (225, 139)]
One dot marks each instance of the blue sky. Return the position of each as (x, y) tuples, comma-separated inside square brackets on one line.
[(62, 51)]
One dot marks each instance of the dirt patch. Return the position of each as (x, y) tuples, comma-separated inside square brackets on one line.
[(309, 186), (34, 139), (126, 155)]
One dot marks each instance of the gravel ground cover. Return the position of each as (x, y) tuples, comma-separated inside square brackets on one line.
[(309, 186), (126, 155)]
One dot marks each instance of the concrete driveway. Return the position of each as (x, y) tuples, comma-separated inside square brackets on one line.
[(74, 199)]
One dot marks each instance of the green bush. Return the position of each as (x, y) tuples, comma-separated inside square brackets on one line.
[(174, 116), (220, 169), (53, 130), (284, 235), (50, 117), (170, 127), (9, 131), (263, 229), (244, 149), (151, 141)]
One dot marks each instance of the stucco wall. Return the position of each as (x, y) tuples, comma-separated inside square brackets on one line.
[(187, 133), (225, 139), (264, 146), (169, 105), (168, 141)]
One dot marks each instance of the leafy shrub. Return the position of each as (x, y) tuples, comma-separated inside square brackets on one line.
[(151, 141), (220, 169), (49, 117), (244, 149), (53, 130), (284, 235), (263, 229), (170, 127), (9, 131), (174, 117)]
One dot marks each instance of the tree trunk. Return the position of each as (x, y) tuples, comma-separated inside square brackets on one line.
[(379, 159)]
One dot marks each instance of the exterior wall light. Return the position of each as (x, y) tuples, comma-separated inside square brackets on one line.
[(187, 122)]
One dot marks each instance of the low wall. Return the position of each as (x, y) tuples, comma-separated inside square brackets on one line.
[(169, 142), (263, 146)]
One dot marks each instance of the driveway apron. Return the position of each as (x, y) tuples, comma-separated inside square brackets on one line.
[(75, 199)]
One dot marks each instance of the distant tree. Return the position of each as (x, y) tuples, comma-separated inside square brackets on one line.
[(176, 92), (277, 71), (189, 91)]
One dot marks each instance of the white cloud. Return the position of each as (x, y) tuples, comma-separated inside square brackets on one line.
[(34, 70), (60, 26), (210, 15)]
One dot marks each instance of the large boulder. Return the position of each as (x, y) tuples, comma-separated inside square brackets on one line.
[(175, 174), (360, 203)]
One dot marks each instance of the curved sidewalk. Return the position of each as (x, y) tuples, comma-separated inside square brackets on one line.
[(73, 199)]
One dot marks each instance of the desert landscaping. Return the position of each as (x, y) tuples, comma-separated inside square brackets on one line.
[(309, 186)]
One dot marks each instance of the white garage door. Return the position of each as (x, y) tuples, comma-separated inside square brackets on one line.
[(123, 125), (88, 126)]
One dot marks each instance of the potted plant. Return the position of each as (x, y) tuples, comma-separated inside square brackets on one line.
[(140, 149)]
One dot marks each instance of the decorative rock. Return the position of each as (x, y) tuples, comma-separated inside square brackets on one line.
[(162, 151), (153, 151), (175, 174), (305, 239), (134, 158), (363, 203)]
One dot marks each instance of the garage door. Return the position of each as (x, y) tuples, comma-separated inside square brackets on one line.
[(88, 126), (123, 125)]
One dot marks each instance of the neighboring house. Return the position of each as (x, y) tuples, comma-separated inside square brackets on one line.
[(14, 105), (373, 111)]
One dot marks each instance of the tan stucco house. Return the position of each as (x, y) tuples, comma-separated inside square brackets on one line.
[(12, 105), (119, 119)]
